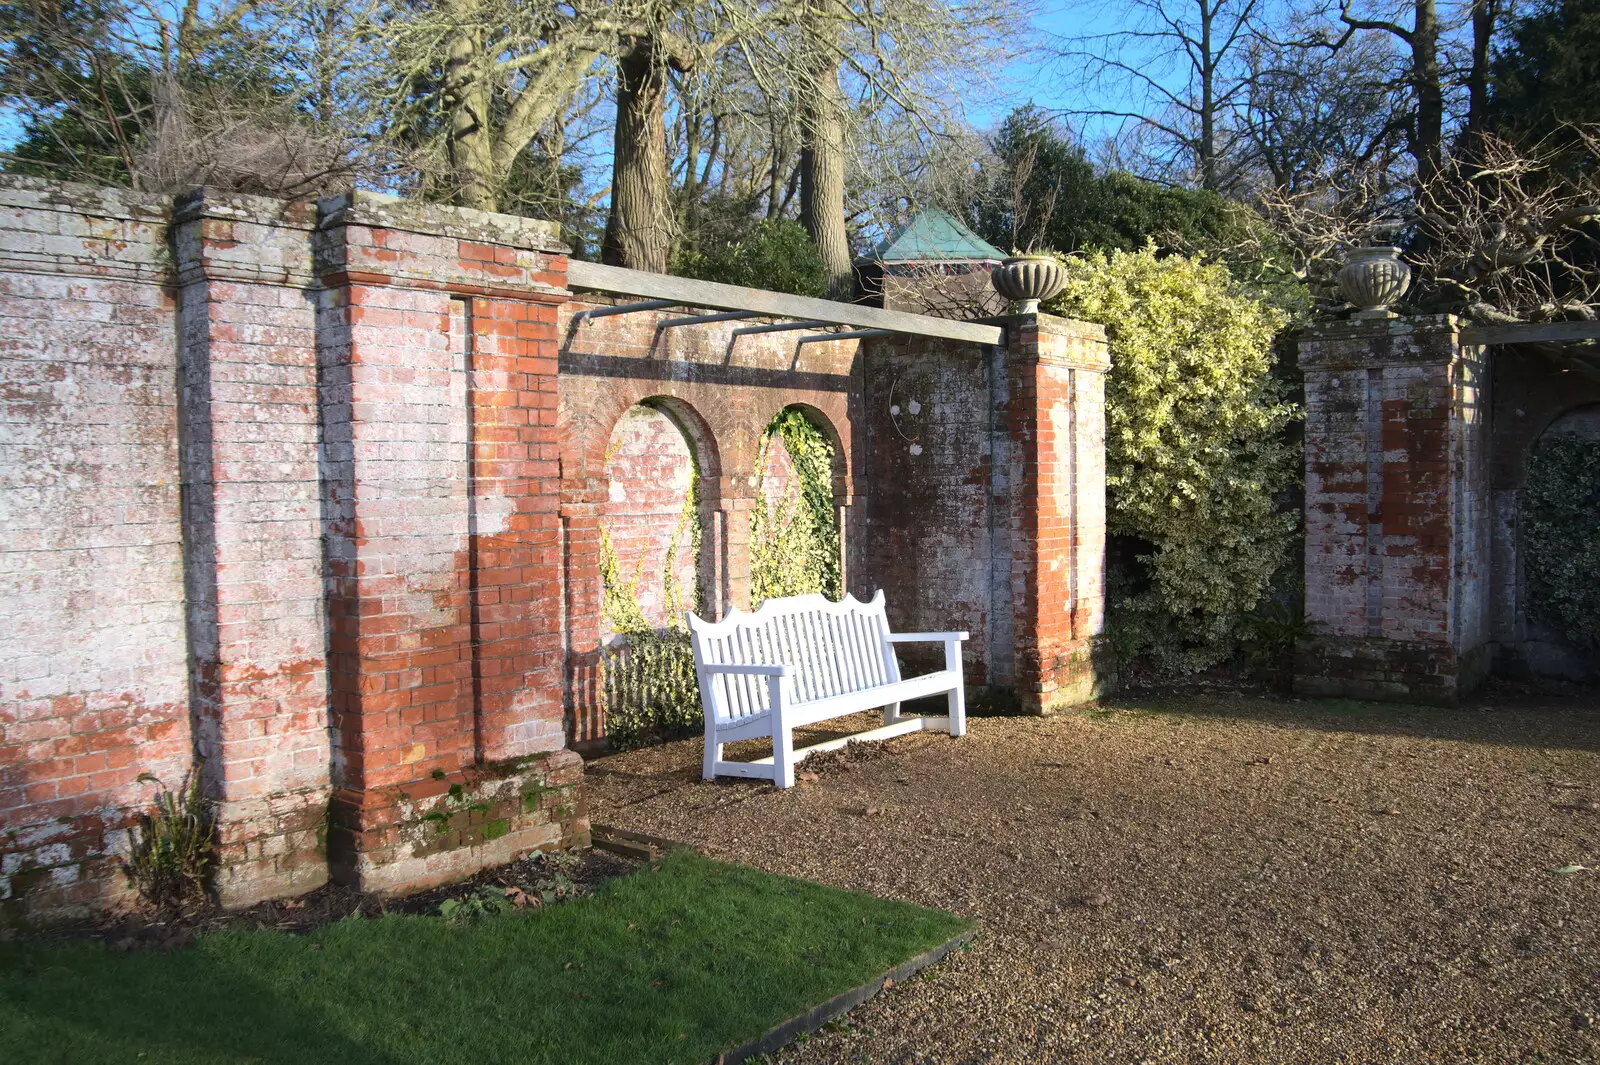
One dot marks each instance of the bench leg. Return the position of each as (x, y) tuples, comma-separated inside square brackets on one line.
[(958, 711), (713, 754), (958, 694), (891, 713), (782, 754)]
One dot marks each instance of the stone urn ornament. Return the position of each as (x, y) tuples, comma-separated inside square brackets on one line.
[(1373, 278), (1027, 279)]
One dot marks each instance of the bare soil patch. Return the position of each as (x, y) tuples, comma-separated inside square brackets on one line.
[(143, 929), (1199, 878)]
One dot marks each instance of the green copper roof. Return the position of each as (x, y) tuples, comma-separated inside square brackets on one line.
[(934, 236)]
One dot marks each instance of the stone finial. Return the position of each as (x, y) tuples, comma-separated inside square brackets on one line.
[(1028, 279), (1373, 278)]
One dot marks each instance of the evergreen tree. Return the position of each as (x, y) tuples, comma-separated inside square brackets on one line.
[(1546, 77)]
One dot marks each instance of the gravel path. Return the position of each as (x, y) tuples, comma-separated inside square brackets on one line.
[(1216, 879)]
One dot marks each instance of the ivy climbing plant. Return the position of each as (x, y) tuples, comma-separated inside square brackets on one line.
[(794, 539), (650, 689), (1561, 537)]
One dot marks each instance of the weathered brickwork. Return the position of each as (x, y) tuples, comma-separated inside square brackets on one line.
[(258, 682), (650, 475), (1397, 519), (279, 473), (444, 553), (311, 496), (986, 501), (93, 657), (940, 542), (1056, 416)]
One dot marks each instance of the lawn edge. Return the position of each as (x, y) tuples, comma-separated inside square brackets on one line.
[(806, 1023)]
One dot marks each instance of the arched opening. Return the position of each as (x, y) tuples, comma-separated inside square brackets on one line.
[(653, 573), (651, 528), (1560, 552), (794, 530)]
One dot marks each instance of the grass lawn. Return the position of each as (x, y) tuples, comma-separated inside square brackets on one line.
[(672, 965)]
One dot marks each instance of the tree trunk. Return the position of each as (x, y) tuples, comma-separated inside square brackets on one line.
[(471, 147), (822, 169), (1427, 136), (1483, 19), (639, 227), (1208, 100)]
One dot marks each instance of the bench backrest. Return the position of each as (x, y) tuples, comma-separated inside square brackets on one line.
[(834, 649)]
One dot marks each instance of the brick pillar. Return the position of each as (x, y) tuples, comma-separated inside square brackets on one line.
[(253, 548), (1055, 419), (736, 512), (1397, 522), (439, 378)]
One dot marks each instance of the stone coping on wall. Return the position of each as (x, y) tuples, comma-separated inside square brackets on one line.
[(437, 220), (1365, 343)]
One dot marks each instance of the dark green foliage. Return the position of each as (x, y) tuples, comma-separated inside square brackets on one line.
[(83, 105), (1561, 537), (171, 852), (773, 253), (667, 966), (1094, 211), (539, 185), (1548, 74)]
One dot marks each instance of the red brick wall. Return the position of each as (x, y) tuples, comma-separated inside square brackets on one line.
[(93, 657), (258, 686), (937, 536), (445, 556), (314, 494), (1056, 418), (986, 502)]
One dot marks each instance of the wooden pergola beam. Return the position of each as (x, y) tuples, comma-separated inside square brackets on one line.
[(691, 292)]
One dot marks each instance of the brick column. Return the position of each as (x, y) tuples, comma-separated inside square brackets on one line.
[(1397, 523), (736, 512), (253, 550), (1055, 419), (444, 540)]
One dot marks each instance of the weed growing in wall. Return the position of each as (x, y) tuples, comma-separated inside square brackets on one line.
[(1195, 451), (794, 541), (171, 853), (1561, 537)]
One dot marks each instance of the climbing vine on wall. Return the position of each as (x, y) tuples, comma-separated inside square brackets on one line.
[(1561, 537), (794, 541), (650, 689)]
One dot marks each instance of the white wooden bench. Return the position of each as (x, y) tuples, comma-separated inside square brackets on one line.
[(801, 660)]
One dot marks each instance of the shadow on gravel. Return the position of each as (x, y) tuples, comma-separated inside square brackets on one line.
[(1499, 716)]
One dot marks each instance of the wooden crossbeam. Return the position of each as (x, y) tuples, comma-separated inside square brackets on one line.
[(1531, 333), (691, 292)]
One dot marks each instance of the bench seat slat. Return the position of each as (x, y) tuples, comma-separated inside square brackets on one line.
[(804, 714)]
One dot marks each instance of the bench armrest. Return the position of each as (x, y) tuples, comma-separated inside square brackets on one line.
[(748, 671), (925, 637)]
